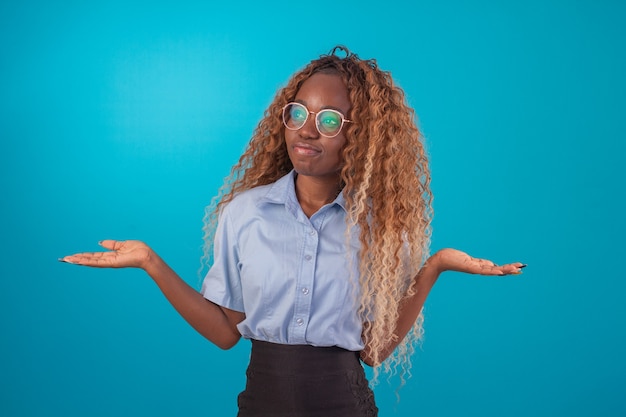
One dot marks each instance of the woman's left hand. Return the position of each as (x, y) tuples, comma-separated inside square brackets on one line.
[(454, 260)]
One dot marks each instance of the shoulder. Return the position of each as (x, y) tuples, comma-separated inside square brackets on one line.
[(277, 192), (250, 199), (260, 206)]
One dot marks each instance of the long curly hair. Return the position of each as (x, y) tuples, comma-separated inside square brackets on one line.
[(386, 183)]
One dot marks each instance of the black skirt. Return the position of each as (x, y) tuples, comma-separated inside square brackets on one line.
[(305, 381)]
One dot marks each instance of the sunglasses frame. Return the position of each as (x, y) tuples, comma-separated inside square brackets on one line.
[(309, 112)]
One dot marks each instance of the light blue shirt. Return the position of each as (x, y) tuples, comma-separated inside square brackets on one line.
[(289, 274)]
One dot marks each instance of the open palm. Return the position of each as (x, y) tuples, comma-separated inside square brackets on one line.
[(455, 260), (121, 254)]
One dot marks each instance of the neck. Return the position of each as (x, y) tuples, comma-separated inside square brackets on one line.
[(313, 193)]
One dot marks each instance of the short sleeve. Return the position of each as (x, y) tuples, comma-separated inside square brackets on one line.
[(222, 284)]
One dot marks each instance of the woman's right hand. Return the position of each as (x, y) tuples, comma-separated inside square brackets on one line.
[(122, 254), (218, 324)]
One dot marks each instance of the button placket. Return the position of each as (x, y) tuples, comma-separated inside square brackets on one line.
[(302, 306)]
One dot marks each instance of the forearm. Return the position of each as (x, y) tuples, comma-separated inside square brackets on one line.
[(409, 309), (412, 306), (444, 260), (209, 319)]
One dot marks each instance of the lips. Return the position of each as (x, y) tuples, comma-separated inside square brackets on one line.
[(306, 149)]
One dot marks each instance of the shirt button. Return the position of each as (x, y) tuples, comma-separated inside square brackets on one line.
[(307, 257), (312, 232), (305, 291), (300, 322)]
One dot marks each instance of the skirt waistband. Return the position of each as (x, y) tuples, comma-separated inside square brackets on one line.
[(279, 359)]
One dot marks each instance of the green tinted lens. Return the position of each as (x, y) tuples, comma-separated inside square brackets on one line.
[(328, 122), (296, 115)]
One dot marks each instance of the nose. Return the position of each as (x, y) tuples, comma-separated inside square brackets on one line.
[(309, 129)]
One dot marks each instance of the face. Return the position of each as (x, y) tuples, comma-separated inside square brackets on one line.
[(311, 153)]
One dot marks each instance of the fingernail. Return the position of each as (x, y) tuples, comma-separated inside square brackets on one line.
[(65, 261), (523, 266)]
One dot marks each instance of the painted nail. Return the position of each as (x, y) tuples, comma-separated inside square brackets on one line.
[(524, 266)]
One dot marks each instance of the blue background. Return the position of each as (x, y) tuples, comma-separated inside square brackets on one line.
[(120, 120)]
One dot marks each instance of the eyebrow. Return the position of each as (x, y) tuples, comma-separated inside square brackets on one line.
[(344, 114)]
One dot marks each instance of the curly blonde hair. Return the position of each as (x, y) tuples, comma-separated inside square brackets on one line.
[(386, 183)]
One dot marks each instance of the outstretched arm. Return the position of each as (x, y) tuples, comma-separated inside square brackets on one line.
[(216, 323), (443, 260)]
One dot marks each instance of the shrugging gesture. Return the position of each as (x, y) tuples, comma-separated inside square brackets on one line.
[(331, 193)]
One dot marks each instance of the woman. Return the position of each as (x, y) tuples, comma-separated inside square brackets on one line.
[(320, 244)]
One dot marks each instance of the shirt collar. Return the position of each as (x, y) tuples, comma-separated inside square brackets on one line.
[(283, 191)]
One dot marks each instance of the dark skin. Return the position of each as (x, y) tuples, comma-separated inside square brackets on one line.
[(218, 324), (317, 161), (316, 158)]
